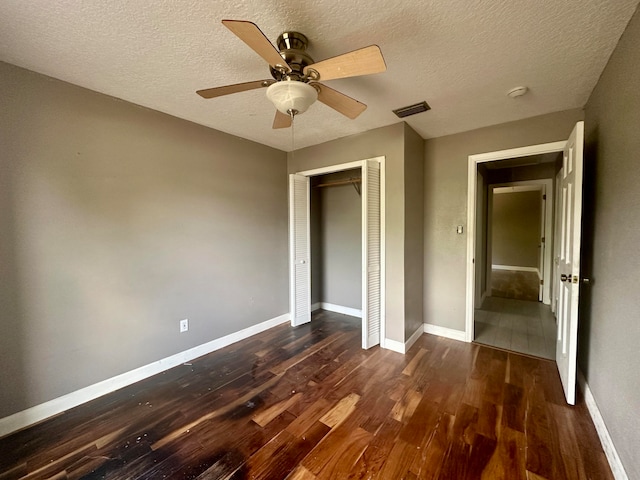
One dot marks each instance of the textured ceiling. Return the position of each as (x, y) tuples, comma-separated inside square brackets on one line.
[(461, 56)]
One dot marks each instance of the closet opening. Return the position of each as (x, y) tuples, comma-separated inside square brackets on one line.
[(336, 242), (336, 236)]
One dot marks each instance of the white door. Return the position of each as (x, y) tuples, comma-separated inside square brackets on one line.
[(299, 250), (371, 254), (569, 261)]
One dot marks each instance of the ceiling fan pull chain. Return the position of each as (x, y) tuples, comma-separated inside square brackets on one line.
[(293, 138)]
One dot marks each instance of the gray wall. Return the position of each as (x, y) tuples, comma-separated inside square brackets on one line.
[(445, 192), (610, 324), (388, 142), (117, 222), (515, 227), (340, 242), (414, 231)]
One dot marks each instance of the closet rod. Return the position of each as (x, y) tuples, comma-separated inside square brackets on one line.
[(340, 182)]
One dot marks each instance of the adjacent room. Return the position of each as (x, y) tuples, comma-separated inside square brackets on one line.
[(334, 240)]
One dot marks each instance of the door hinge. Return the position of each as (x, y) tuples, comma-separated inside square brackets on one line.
[(541, 282), (542, 239), (544, 197)]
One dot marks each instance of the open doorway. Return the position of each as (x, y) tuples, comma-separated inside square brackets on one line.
[(336, 242), (520, 234), (516, 226), (514, 237), (372, 273)]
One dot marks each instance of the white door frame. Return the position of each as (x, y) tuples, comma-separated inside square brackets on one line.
[(546, 186), (360, 164), (472, 175)]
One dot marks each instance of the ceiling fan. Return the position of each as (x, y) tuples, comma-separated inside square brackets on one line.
[(295, 84)]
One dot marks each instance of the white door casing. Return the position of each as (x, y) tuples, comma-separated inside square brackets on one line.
[(299, 250), (569, 261), (371, 253)]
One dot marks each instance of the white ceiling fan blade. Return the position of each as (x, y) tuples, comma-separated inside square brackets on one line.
[(340, 102), (229, 89), (364, 61), (250, 34)]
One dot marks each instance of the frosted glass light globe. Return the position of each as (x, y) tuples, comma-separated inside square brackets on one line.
[(292, 95)]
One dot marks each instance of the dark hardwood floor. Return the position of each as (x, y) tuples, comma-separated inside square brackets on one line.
[(308, 402)]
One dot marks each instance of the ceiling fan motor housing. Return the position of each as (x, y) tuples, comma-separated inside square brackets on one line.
[(293, 46)]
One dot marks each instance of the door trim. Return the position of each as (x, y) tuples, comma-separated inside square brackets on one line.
[(472, 175), (383, 290)]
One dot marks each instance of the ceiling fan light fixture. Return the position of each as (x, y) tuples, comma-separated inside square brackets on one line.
[(292, 96)]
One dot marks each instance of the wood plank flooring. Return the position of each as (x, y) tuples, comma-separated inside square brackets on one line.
[(308, 403)]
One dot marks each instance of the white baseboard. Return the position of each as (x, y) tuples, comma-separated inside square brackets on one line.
[(24, 418), (413, 339), (402, 347), (515, 268), (445, 332), (605, 439), (330, 307), (394, 345)]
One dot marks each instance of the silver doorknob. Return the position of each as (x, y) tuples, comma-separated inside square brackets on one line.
[(564, 277)]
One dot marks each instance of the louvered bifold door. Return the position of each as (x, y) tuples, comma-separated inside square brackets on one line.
[(371, 254), (299, 250)]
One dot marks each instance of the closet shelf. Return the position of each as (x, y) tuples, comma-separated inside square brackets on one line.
[(340, 182)]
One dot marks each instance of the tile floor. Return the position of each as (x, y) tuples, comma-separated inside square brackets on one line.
[(518, 325)]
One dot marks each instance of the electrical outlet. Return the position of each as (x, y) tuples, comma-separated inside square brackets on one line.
[(184, 325)]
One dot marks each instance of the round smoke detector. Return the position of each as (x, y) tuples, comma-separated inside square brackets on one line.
[(517, 92)]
